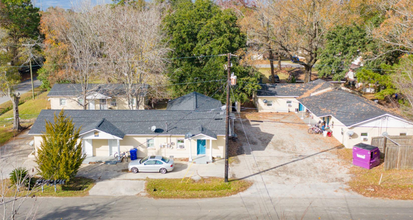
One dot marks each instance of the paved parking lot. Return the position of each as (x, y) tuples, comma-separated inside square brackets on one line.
[(286, 160)]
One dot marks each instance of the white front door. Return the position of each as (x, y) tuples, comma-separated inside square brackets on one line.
[(88, 147), (113, 146), (91, 104)]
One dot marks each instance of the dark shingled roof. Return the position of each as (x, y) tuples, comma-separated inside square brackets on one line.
[(76, 89), (105, 126), (292, 89), (138, 122), (348, 108), (194, 101), (204, 131)]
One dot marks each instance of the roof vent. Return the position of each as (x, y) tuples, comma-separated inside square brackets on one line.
[(153, 128)]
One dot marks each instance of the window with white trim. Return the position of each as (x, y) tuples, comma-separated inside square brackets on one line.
[(364, 136), (403, 134), (289, 103), (180, 144), (113, 102), (150, 143), (62, 102)]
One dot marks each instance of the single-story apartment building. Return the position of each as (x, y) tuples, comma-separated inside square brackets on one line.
[(351, 118), (282, 97), (98, 97), (181, 134)]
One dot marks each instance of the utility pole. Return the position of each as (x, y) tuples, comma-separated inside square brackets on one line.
[(30, 64), (31, 76), (227, 116)]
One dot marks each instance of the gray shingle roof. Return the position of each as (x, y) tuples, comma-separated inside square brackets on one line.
[(204, 131), (348, 108), (138, 122), (74, 90), (292, 89), (105, 126), (194, 101)]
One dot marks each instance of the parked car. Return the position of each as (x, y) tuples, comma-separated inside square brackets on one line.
[(152, 164)]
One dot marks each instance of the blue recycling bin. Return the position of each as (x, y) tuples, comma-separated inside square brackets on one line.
[(133, 154)]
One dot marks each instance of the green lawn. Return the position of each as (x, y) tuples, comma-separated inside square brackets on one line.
[(28, 110), (189, 188), (78, 186)]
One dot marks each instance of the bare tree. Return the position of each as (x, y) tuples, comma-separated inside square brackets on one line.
[(121, 44), (397, 28), (135, 48), (396, 32), (299, 26), (260, 37)]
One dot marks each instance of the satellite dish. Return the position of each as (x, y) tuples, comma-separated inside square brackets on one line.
[(384, 134), (265, 101), (153, 128), (350, 133)]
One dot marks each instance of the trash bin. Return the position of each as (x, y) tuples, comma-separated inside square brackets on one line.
[(366, 156), (133, 154)]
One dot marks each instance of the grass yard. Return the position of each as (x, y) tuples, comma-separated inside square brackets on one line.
[(77, 187), (189, 188), (28, 110), (23, 98), (395, 184)]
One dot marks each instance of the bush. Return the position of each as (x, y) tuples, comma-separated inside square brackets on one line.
[(19, 176)]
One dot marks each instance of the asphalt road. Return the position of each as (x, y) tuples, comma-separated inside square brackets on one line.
[(234, 207), (22, 88)]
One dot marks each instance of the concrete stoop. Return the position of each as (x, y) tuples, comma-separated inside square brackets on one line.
[(201, 160)]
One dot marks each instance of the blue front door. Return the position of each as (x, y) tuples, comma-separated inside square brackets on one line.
[(300, 107), (200, 146)]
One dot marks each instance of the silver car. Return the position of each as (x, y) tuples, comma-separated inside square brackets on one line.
[(152, 164)]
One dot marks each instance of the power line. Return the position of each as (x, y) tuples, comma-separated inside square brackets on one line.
[(255, 161)]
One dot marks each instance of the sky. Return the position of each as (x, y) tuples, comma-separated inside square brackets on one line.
[(66, 4)]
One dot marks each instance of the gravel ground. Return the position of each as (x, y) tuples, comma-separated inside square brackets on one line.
[(279, 148)]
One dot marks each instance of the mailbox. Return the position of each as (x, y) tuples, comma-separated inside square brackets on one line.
[(366, 156)]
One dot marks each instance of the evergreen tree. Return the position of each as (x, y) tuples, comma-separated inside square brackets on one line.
[(198, 33), (60, 155)]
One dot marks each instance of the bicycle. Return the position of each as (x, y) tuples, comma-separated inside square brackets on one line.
[(315, 130), (123, 155)]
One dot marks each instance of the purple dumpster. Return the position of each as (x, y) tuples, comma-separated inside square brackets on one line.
[(366, 156)]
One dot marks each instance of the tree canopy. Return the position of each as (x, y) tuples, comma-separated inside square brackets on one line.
[(200, 34)]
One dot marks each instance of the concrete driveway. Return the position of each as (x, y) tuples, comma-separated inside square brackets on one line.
[(115, 180), (283, 160), (103, 172), (15, 154)]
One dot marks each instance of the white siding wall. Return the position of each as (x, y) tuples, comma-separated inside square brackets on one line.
[(279, 104), (101, 146)]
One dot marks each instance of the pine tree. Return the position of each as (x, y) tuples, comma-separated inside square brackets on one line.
[(60, 155)]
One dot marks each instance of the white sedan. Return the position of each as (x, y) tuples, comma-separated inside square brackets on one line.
[(152, 164)]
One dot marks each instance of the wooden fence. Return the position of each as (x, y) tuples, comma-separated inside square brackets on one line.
[(395, 157), (398, 157)]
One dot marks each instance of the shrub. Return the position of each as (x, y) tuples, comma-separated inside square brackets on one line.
[(19, 176)]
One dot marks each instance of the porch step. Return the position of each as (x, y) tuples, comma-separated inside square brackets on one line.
[(201, 160)]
